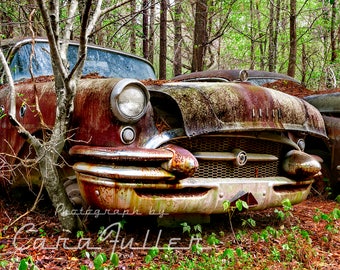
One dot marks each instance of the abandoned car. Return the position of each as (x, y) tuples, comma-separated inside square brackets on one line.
[(140, 145), (327, 104), (255, 77)]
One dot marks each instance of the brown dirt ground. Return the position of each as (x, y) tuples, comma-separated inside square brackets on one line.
[(50, 248)]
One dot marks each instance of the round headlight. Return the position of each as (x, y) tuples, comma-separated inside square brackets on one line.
[(129, 99)]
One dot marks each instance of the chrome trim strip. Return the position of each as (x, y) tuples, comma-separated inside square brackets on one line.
[(230, 156)]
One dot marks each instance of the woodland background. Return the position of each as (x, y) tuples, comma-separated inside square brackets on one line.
[(300, 38)]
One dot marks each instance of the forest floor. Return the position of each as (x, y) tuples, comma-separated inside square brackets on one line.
[(307, 238)]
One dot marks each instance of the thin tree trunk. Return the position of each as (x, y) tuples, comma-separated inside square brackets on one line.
[(274, 16), (163, 40), (333, 38), (178, 38), (271, 47), (152, 32), (133, 23), (292, 39), (200, 35), (261, 43), (145, 28), (304, 62), (252, 41)]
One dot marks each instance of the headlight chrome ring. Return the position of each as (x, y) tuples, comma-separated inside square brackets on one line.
[(129, 99)]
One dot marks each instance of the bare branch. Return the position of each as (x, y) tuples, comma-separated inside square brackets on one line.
[(11, 85), (97, 13), (68, 29), (53, 40)]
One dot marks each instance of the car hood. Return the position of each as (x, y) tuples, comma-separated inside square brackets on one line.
[(229, 107), (326, 103)]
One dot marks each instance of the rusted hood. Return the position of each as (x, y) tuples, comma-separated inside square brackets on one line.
[(228, 107)]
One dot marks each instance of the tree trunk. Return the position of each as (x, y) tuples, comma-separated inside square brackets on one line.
[(274, 16), (200, 35), (178, 38), (145, 29), (260, 36), (333, 37), (56, 191), (292, 39), (304, 63), (133, 23), (163, 40), (152, 32), (252, 40)]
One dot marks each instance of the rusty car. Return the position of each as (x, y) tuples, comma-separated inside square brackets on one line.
[(329, 106), (328, 182), (255, 77), (140, 145)]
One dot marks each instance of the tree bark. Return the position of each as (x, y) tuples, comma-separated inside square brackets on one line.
[(133, 23), (252, 41), (152, 32), (145, 29), (178, 38), (292, 39), (200, 35), (333, 37), (274, 18), (163, 40)]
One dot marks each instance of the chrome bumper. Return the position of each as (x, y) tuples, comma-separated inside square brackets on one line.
[(126, 179), (190, 195)]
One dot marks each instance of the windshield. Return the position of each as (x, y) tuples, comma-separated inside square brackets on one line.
[(103, 62)]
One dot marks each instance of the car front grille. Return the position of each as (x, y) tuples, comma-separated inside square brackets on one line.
[(227, 169)]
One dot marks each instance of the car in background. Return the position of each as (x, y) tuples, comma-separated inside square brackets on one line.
[(329, 106), (255, 77), (142, 146)]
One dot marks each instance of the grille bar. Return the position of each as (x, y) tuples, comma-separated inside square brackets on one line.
[(229, 156)]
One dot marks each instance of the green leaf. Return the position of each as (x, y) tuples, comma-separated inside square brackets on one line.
[(114, 259), (239, 251), (212, 240), (99, 260), (305, 234), (239, 205), (287, 205), (226, 206), (186, 227), (229, 253), (153, 252), (336, 213), (148, 258), (80, 234), (337, 199), (198, 228), (3, 264), (23, 265)]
